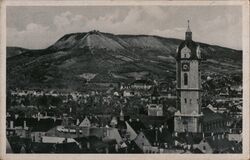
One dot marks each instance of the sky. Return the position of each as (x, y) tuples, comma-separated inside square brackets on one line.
[(37, 27)]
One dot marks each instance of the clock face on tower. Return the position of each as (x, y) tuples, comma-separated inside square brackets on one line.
[(185, 66)]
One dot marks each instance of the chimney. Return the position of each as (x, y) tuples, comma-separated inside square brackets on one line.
[(107, 150), (11, 124), (213, 137), (77, 131), (88, 145), (156, 134), (24, 124), (160, 129), (38, 116), (77, 122), (230, 130), (176, 134), (116, 147), (222, 136)]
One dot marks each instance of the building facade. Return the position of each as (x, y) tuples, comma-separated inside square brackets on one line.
[(188, 116)]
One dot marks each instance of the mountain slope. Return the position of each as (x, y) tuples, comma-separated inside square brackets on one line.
[(108, 58)]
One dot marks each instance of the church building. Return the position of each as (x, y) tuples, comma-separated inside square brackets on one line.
[(188, 117)]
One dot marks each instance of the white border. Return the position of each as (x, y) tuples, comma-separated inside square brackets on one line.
[(246, 75)]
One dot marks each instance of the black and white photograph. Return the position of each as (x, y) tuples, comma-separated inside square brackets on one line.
[(125, 79)]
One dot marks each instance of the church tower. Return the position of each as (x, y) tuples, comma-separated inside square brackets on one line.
[(188, 57)]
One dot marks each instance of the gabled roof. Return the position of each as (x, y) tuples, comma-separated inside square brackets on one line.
[(210, 116), (190, 138), (43, 125), (38, 147), (219, 144), (133, 148), (121, 124), (165, 136), (136, 125), (150, 135), (154, 135), (51, 139), (8, 147), (71, 147), (94, 119), (154, 120)]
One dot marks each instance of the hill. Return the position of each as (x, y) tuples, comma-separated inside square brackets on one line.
[(99, 57)]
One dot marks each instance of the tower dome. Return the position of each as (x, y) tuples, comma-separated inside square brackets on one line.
[(191, 49)]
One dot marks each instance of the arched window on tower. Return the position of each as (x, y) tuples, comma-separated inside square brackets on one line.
[(185, 79)]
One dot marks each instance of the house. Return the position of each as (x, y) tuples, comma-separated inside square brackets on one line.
[(56, 145), (142, 142), (8, 147), (214, 122), (133, 148), (131, 133), (41, 128), (187, 140), (152, 140), (136, 125), (155, 109), (217, 144), (69, 147), (15, 143), (113, 122), (234, 137), (142, 84), (154, 121), (128, 93), (112, 134), (90, 121), (54, 140)]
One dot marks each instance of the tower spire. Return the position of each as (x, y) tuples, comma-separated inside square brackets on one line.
[(121, 115), (188, 32)]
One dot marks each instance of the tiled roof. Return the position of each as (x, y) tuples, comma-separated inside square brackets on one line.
[(38, 147), (190, 138), (43, 125), (67, 148), (209, 115), (163, 137), (154, 120), (136, 125), (219, 144)]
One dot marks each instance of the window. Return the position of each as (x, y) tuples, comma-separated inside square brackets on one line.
[(204, 147), (185, 100), (185, 79), (190, 101)]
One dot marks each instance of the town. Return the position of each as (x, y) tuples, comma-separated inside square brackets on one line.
[(195, 113)]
